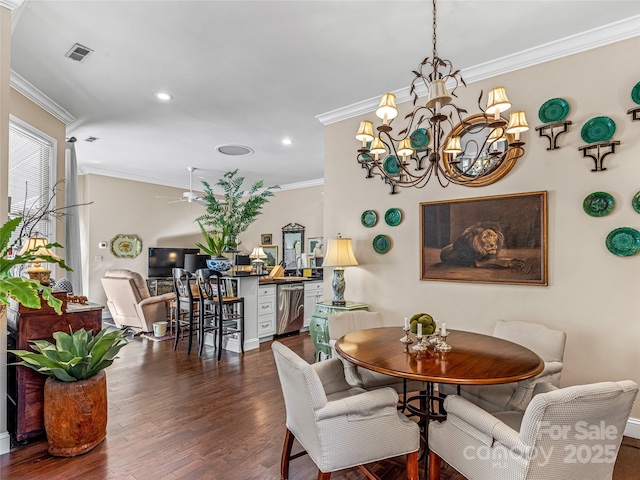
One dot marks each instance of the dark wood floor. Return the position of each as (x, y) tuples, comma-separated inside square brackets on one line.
[(174, 416)]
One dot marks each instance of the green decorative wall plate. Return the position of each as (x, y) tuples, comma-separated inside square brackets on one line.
[(419, 138), (553, 110), (635, 202), (382, 244), (391, 165), (635, 93), (369, 218), (598, 204), (623, 241), (393, 217), (598, 129)]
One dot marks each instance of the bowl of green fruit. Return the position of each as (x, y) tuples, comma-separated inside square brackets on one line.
[(428, 323)]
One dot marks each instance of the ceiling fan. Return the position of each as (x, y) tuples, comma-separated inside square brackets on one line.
[(190, 196)]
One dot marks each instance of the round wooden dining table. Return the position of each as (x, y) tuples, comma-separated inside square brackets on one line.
[(474, 359)]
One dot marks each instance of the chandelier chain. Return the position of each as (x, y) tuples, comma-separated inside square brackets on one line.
[(435, 51)]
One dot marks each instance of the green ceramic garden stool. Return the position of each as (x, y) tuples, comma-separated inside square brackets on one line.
[(319, 325)]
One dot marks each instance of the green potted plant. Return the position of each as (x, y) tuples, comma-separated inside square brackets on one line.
[(236, 210), (75, 394), (215, 246), (23, 290)]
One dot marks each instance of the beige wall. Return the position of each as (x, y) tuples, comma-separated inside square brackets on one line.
[(592, 294)]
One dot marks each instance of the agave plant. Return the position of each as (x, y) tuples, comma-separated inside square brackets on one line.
[(23, 290), (75, 356), (215, 243)]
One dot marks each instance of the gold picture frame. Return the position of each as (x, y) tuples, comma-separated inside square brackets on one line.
[(499, 239), (266, 239), (272, 256)]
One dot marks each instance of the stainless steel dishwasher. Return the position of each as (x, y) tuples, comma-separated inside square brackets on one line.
[(290, 307)]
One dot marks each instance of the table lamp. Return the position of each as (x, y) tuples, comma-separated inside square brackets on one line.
[(37, 246), (257, 255), (339, 255)]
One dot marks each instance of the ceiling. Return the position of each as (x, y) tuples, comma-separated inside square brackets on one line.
[(253, 72)]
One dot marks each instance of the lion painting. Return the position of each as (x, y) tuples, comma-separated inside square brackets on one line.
[(479, 246)]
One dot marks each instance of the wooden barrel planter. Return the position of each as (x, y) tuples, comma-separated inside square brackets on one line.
[(75, 414)]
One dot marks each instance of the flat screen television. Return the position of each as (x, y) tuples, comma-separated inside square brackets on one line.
[(163, 259)]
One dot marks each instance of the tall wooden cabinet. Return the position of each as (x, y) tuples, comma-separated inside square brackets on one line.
[(25, 387)]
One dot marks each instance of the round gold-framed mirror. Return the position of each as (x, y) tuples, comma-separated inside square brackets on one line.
[(471, 169)]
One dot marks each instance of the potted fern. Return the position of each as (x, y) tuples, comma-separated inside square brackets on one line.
[(215, 247), (236, 210), (75, 394)]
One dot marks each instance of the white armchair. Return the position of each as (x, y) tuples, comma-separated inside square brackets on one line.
[(338, 425), (568, 433), (546, 342), (339, 326), (130, 303)]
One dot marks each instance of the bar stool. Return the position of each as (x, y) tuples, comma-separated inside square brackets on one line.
[(219, 314), (186, 316)]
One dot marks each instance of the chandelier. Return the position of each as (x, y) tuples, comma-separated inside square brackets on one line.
[(438, 140)]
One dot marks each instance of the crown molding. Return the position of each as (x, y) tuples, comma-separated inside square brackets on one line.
[(89, 170), (587, 40), (39, 98), (10, 4)]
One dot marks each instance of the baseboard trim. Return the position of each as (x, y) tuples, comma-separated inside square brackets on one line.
[(633, 428), (5, 443)]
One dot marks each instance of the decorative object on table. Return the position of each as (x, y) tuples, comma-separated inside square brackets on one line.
[(266, 239), (597, 132), (406, 340), (553, 113), (236, 210), (257, 256), (80, 299), (421, 344), (24, 290), (393, 217), (126, 246), (381, 244), (216, 245), (598, 204), (75, 394), (635, 202), (635, 96), (271, 251), (443, 346), (623, 242), (339, 255), (38, 246), (369, 218), (474, 139), (464, 240)]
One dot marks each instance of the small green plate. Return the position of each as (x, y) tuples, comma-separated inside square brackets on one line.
[(623, 241), (553, 110), (391, 165), (369, 218), (419, 138), (393, 217), (635, 202), (635, 93), (598, 129), (598, 204), (382, 244)]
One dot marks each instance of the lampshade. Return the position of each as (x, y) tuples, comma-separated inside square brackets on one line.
[(404, 149), (365, 132), (438, 93), (497, 101), (377, 147), (258, 252), (517, 122), (497, 135), (453, 146), (340, 253), (387, 109), (38, 244)]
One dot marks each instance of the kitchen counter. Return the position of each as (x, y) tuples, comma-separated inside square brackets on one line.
[(276, 280)]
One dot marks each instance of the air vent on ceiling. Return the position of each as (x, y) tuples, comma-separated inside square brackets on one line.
[(79, 53), (234, 150), (91, 139)]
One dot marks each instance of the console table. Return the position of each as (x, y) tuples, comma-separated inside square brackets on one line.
[(25, 387), (319, 325)]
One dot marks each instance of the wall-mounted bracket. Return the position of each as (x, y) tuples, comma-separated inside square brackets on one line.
[(635, 113), (551, 132), (600, 153)]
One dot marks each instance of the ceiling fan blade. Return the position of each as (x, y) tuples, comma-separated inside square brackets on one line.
[(176, 201)]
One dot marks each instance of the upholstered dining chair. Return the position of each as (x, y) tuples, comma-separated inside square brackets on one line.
[(546, 342), (340, 426), (130, 303), (339, 326), (569, 433), (187, 313)]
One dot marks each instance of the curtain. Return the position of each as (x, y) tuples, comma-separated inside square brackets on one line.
[(72, 250)]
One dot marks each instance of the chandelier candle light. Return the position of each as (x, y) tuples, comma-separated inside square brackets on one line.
[(434, 133), (339, 255)]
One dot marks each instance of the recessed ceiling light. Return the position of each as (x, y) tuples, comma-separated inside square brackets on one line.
[(286, 141), (234, 150), (163, 96)]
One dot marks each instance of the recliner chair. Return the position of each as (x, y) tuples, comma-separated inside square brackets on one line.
[(547, 343), (130, 303)]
